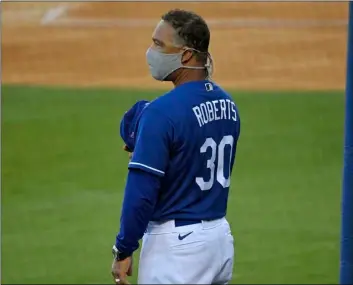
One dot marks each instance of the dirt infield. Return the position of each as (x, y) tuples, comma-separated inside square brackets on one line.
[(255, 45)]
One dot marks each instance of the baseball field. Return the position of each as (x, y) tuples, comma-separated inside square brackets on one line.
[(71, 70)]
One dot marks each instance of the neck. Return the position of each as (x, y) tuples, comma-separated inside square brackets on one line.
[(187, 75)]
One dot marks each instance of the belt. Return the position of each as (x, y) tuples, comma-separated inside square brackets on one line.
[(184, 222)]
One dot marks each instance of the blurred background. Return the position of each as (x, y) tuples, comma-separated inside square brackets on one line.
[(71, 69)]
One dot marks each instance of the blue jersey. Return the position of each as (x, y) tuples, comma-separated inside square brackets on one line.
[(189, 138)]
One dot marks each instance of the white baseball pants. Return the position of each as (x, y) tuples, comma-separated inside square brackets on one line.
[(194, 254)]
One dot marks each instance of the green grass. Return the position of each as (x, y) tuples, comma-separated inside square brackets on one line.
[(63, 175)]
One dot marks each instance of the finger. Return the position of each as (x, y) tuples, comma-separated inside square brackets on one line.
[(129, 271), (121, 280), (124, 281), (116, 276), (115, 273)]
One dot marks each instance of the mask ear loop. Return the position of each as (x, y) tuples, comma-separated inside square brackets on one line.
[(185, 49), (209, 66)]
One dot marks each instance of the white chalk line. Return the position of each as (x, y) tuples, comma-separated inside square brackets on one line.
[(53, 13), (226, 22)]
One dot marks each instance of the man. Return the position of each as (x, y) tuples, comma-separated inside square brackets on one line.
[(184, 145)]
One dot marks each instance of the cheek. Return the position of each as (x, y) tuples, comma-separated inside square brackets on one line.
[(157, 47)]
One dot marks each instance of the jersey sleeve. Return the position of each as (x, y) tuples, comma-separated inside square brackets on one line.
[(153, 141)]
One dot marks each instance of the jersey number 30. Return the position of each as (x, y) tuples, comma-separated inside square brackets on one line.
[(210, 143)]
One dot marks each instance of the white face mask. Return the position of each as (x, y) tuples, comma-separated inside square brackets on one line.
[(163, 64)]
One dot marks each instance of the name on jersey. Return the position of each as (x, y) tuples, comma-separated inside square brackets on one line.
[(209, 111)]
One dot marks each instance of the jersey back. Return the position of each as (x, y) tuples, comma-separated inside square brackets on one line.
[(189, 137)]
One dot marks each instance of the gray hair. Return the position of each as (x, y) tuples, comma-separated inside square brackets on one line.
[(177, 40), (191, 30)]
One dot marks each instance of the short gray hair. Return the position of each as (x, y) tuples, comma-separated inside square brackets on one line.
[(191, 29)]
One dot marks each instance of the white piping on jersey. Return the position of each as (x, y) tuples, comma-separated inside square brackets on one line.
[(154, 169)]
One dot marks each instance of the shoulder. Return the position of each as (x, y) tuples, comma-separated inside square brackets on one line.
[(162, 106), (220, 89), (156, 116), (224, 92)]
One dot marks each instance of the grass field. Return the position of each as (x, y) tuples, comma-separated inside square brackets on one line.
[(63, 176)]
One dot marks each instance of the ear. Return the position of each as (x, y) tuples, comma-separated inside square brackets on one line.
[(187, 55)]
